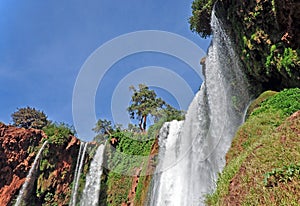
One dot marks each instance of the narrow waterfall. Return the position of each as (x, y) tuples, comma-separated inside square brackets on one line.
[(167, 156), (30, 176), (78, 169), (192, 153), (91, 190)]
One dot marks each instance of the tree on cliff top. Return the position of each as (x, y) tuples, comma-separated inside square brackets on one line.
[(29, 118), (144, 102), (103, 127), (200, 20)]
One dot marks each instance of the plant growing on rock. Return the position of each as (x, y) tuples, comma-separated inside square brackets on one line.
[(200, 21), (58, 133)]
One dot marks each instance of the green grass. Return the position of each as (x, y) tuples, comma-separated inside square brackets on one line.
[(286, 102), (257, 102), (267, 144)]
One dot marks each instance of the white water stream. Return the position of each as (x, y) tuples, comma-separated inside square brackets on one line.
[(91, 192), (30, 176), (192, 153), (78, 169)]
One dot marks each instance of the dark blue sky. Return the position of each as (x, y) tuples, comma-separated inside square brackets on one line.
[(43, 45)]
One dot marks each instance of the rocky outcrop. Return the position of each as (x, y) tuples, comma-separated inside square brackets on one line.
[(17, 155), (18, 148), (134, 184)]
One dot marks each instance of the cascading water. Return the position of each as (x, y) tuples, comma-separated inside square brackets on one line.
[(78, 169), (91, 190), (30, 176), (192, 153), (168, 155)]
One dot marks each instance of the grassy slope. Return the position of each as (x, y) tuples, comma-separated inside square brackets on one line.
[(268, 140)]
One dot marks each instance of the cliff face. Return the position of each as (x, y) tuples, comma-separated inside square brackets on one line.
[(56, 173), (267, 38), (16, 158), (18, 148)]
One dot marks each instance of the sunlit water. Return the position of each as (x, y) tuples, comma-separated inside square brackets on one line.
[(91, 192), (30, 177), (78, 169), (192, 153)]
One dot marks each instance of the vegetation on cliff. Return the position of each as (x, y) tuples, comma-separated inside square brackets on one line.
[(53, 177), (263, 162), (200, 20), (263, 165), (265, 34), (127, 155), (129, 150)]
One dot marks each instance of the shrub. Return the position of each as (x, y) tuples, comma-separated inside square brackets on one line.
[(286, 101), (58, 133)]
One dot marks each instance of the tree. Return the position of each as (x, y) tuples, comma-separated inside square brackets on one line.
[(29, 118), (133, 128), (144, 102), (169, 113), (103, 127), (200, 21)]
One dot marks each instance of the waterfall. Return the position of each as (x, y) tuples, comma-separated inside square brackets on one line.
[(168, 154), (30, 176), (192, 153), (78, 169), (91, 190)]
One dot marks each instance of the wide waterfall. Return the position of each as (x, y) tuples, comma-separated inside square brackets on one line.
[(78, 169), (91, 192), (192, 153), (30, 176)]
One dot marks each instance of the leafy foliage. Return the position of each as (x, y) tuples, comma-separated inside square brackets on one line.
[(51, 170), (58, 133), (103, 126), (258, 101), (286, 101), (200, 21), (283, 59), (144, 102), (137, 147), (103, 129), (267, 45), (284, 174), (29, 118), (133, 128), (131, 151), (168, 113)]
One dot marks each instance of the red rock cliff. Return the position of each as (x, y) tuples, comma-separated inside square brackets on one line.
[(18, 148), (16, 158)]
